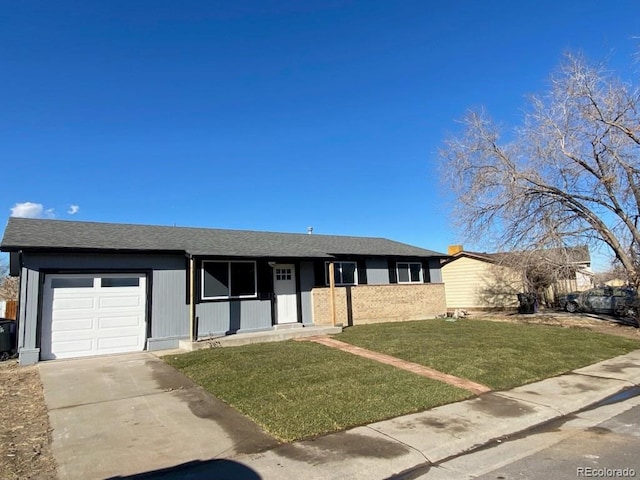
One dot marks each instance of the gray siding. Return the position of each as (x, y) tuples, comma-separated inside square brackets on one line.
[(28, 317), (220, 318), (377, 271), (29, 307), (99, 262), (169, 310), (435, 271), (307, 280), (170, 307), (22, 301)]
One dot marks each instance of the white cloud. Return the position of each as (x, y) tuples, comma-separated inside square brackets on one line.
[(73, 209), (32, 210), (27, 210)]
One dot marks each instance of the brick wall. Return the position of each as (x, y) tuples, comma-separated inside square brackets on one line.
[(379, 303)]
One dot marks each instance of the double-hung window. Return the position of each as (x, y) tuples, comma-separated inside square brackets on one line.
[(409, 272), (222, 280), (345, 273)]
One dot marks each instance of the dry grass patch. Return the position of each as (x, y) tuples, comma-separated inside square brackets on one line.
[(25, 435)]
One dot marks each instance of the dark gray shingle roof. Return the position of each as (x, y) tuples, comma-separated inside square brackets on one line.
[(23, 233)]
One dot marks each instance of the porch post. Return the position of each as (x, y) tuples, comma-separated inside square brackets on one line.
[(332, 288)]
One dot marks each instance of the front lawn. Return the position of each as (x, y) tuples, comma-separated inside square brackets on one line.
[(499, 355), (296, 390)]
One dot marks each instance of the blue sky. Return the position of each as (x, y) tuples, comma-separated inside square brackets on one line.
[(270, 115)]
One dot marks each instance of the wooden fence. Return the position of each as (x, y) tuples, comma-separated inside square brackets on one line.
[(10, 309)]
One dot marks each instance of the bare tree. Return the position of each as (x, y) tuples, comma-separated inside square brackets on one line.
[(8, 285), (569, 175), (551, 272)]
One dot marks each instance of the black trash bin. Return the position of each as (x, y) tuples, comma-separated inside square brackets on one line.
[(527, 303), (7, 335)]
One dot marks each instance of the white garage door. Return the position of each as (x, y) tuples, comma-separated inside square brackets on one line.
[(92, 315)]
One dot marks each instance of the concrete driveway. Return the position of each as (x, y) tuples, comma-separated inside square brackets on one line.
[(124, 415)]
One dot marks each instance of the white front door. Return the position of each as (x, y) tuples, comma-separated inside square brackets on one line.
[(284, 286)]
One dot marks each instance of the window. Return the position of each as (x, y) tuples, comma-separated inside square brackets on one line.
[(283, 274), (345, 273), (228, 280), (120, 282), (72, 282), (409, 272)]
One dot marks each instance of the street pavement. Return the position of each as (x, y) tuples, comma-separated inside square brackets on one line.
[(405, 447), (599, 442)]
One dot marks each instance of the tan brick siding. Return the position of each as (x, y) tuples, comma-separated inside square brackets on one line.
[(379, 303)]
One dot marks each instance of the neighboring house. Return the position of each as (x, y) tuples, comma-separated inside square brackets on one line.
[(478, 281), (475, 281), (97, 288)]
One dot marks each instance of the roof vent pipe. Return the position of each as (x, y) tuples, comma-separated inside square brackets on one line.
[(309, 230)]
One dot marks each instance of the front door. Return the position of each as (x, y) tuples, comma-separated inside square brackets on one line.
[(284, 286)]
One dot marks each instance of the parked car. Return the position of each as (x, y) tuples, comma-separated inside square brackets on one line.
[(620, 301)]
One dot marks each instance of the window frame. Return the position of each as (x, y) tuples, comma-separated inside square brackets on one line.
[(408, 264), (335, 264), (230, 279)]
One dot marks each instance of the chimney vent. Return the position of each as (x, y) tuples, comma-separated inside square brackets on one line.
[(453, 249)]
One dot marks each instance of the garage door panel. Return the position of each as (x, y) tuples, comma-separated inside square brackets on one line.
[(73, 303), (119, 321), (70, 325), (120, 301), (82, 321), (73, 348), (116, 343)]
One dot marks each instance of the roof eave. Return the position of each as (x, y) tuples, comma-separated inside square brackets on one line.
[(48, 249)]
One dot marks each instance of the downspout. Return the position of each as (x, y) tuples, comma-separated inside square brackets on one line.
[(192, 299), (332, 289)]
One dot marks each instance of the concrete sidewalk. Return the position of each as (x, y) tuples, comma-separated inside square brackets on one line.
[(134, 417), (394, 448)]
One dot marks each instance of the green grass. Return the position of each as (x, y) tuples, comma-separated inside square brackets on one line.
[(296, 390), (499, 355)]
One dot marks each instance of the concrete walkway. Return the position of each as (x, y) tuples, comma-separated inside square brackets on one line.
[(278, 334), (401, 364)]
